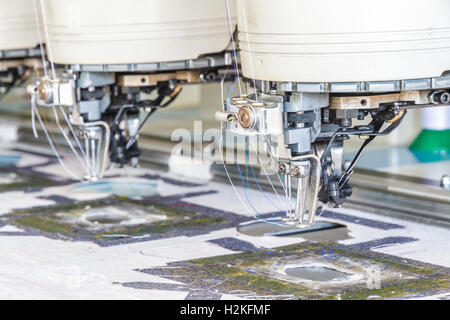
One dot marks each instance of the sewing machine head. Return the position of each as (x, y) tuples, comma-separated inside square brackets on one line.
[(318, 65), (102, 79)]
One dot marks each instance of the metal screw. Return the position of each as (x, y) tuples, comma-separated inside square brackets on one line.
[(445, 98), (43, 90), (445, 182), (281, 169), (441, 97), (296, 172)]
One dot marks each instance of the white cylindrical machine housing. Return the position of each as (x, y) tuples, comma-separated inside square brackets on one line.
[(346, 40), (18, 28), (135, 31)]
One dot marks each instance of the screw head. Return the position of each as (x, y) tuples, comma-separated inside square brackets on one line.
[(347, 164), (295, 172), (43, 91), (246, 117), (445, 98)]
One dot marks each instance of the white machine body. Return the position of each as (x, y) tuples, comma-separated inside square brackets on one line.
[(347, 40), (135, 31), (18, 28)]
